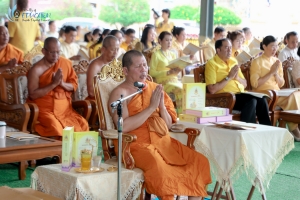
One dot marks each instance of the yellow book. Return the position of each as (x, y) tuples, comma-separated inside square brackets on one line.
[(81, 141), (67, 141), (243, 57), (208, 112), (187, 118), (193, 97), (181, 62)]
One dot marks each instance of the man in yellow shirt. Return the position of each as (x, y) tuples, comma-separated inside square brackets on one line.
[(210, 51), (222, 74), (23, 31), (166, 24), (129, 38)]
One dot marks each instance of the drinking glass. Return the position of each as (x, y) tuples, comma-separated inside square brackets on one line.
[(86, 156), (96, 160)]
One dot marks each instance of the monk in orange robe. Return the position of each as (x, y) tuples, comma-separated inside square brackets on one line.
[(170, 168), (109, 52), (51, 81), (9, 55)]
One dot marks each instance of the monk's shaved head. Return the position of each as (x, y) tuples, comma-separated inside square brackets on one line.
[(50, 40), (108, 40), (4, 36), (127, 58)]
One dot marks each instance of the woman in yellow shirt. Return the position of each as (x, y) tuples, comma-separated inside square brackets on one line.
[(237, 41), (147, 40), (95, 48), (163, 75), (266, 73)]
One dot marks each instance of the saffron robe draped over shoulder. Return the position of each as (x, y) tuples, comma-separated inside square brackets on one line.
[(9, 52), (55, 108), (169, 167)]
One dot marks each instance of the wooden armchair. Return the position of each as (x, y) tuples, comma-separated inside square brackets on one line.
[(109, 78), (14, 93), (13, 107), (227, 100)]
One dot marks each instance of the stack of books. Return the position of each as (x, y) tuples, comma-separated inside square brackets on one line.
[(206, 115)]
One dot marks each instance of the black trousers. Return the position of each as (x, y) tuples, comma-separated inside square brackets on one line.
[(251, 107)]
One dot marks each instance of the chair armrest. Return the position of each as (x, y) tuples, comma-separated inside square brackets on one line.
[(126, 155), (16, 116), (192, 134), (34, 113), (273, 104), (94, 121), (223, 100), (108, 150), (83, 107)]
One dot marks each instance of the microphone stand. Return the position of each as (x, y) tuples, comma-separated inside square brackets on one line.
[(118, 104)]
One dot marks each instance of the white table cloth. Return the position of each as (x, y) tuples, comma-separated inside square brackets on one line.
[(100, 185), (257, 152)]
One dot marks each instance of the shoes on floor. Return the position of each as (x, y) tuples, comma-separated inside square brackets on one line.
[(297, 139)]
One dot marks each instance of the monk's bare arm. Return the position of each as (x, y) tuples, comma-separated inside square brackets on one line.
[(132, 122), (33, 84), (91, 72)]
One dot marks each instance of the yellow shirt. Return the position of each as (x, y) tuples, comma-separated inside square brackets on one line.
[(69, 50), (161, 26), (209, 51), (217, 70), (124, 46), (260, 67), (23, 32), (158, 63), (94, 52)]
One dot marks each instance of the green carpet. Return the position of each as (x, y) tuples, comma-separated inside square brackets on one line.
[(285, 184)]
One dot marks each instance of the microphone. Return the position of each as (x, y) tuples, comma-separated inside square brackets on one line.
[(157, 15), (140, 85)]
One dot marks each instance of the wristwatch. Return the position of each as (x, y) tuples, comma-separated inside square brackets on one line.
[(226, 78)]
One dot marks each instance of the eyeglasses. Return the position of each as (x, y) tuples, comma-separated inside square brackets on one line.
[(53, 52)]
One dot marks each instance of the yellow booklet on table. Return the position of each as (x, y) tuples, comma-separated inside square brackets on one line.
[(67, 142), (181, 62), (193, 97)]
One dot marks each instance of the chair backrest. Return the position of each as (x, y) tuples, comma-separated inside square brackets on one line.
[(81, 69), (287, 66), (111, 76), (245, 68), (13, 84), (34, 55)]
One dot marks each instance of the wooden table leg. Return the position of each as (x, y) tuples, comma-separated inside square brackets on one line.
[(22, 169), (215, 190), (251, 192)]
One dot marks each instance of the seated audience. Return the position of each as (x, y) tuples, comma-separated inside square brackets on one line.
[(52, 30), (209, 52), (163, 75), (169, 167), (147, 40), (68, 47), (290, 50), (97, 46), (129, 39), (296, 71), (248, 35), (109, 52), (118, 34), (179, 43), (9, 55), (237, 39), (51, 82), (266, 73), (222, 74)]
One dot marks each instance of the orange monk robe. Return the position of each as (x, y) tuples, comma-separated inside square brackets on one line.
[(55, 108), (9, 52), (169, 167)]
